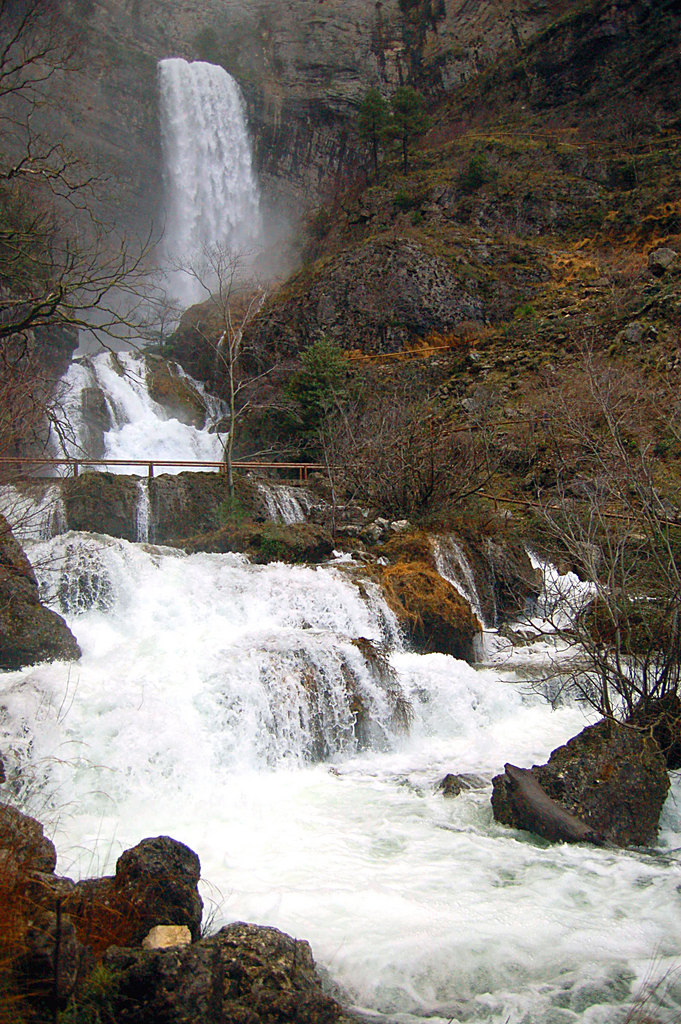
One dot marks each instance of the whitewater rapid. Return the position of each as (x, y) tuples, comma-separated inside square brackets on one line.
[(216, 702)]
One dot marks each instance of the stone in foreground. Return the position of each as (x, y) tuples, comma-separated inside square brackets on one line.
[(611, 778), (245, 974)]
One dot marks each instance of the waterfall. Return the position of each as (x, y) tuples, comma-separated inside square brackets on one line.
[(453, 566), (112, 415), (34, 512), (211, 191), (284, 503)]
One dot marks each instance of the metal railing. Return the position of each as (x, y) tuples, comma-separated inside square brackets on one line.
[(301, 468)]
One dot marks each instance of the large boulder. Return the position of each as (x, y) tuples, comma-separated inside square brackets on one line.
[(156, 882), (431, 612), (243, 975), (611, 778), (29, 632)]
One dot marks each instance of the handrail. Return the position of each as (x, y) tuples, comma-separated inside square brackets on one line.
[(303, 468)]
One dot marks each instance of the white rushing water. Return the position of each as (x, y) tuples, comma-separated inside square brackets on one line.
[(212, 197), (227, 705), (135, 426)]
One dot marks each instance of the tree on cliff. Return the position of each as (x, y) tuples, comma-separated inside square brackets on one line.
[(60, 267), (372, 123), (408, 119)]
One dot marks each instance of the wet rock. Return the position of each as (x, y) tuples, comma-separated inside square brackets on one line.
[(161, 875), (174, 392), (662, 260), (156, 883), (102, 503), (23, 843), (453, 785), (432, 613), (29, 632), (515, 582), (243, 975), (534, 811), (610, 776)]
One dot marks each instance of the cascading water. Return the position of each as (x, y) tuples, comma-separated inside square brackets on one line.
[(211, 192), (130, 423), (238, 708)]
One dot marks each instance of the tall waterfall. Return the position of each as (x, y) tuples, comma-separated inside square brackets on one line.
[(211, 191)]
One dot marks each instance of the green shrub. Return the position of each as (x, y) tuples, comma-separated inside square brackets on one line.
[(478, 172)]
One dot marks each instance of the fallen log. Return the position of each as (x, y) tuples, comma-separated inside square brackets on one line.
[(537, 812)]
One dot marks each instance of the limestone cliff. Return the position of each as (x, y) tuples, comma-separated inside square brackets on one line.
[(303, 66)]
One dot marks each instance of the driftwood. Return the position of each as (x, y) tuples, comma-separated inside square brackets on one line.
[(538, 813)]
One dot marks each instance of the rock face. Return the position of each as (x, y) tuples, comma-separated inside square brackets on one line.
[(303, 67), (611, 777), (243, 975), (376, 298), (29, 632), (102, 503)]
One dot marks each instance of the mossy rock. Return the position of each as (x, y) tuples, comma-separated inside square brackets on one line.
[(432, 613), (102, 503), (267, 542), (174, 392)]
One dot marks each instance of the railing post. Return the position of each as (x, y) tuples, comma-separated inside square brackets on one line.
[(151, 470), (75, 468)]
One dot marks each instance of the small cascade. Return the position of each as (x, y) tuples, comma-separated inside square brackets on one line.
[(143, 512), (35, 511), (212, 196), (112, 416), (453, 566), (285, 504)]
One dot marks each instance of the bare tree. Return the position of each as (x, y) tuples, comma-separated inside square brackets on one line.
[(620, 527), (235, 298)]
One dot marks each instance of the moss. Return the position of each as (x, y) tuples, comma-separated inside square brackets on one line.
[(267, 542), (431, 611)]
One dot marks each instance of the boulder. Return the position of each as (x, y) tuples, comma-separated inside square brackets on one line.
[(29, 632), (156, 883), (166, 936), (453, 785), (662, 260), (23, 843), (610, 777), (243, 975), (432, 613)]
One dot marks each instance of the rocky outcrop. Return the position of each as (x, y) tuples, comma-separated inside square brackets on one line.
[(610, 781), (29, 632), (268, 542), (432, 613), (102, 503), (243, 975), (376, 297)]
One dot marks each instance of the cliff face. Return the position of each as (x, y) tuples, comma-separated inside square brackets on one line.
[(303, 66)]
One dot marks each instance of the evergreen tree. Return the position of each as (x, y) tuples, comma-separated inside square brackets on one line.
[(373, 120), (409, 119)]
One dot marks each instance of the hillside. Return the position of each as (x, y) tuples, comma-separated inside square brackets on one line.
[(517, 250)]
